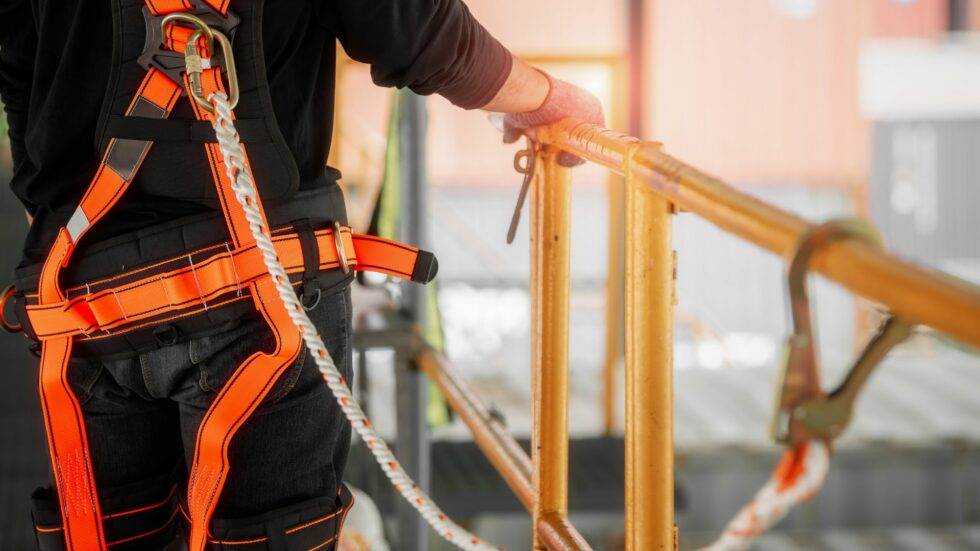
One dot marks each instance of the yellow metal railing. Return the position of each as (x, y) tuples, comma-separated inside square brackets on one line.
[(657, 186)]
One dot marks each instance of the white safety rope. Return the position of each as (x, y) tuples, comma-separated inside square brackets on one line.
[(799, 476), (244, 188)]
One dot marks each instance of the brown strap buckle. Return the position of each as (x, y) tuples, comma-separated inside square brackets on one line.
[(341, 251)]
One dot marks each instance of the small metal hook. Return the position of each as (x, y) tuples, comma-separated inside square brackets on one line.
[(529, 157), (801, 404)]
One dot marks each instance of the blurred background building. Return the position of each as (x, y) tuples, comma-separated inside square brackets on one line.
[(827, 108)]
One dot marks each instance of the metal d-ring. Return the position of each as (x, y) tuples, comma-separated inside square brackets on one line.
[(800, 375), (6, 325), (341, 251), (194, 20), (309, 303)]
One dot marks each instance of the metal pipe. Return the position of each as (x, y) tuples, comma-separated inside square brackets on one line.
[(412, 389), (558, 534), (550, 274), (506, 455), (649, 442), (915, 293)]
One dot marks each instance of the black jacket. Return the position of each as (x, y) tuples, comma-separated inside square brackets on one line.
[(56, 55)]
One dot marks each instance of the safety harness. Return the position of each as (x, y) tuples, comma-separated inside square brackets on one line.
[(116, 313)]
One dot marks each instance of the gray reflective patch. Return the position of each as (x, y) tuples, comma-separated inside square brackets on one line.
[(77, 224), (125, 156), (144, 108)]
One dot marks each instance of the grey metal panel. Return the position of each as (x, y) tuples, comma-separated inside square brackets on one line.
[(412, 387), (914, 162)]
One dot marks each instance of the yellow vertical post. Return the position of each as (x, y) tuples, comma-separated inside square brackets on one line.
[(649, 365), (614, 302), (550, 251)]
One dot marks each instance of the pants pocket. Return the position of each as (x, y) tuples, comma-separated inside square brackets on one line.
[(82, 376)]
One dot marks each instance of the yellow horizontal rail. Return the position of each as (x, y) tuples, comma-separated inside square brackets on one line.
[(506, 455), (913, 292), (499, 447)]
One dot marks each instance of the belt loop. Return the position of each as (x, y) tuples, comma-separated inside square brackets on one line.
[(197, 283), (234, 267), (310, 294)]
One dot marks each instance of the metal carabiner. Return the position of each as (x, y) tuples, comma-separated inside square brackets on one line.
[(195, 64), (796, 418), (828, 417)]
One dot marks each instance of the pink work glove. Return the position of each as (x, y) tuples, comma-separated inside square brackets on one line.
[(564, 100)]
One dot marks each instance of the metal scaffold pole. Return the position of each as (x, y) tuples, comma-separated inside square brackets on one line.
[(550, 276), (649, 371), (411, 386)]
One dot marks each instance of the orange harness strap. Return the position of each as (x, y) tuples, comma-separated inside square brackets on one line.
[(67, 441), (98, 310), (63, 320), (253, 380)]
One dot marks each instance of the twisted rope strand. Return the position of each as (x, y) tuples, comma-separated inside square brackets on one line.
[(777, 498), (246, 194)]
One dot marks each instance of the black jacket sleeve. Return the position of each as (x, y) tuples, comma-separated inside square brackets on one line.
[(18, 41), (430, 46)]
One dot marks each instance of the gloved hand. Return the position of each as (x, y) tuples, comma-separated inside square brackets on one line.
[(564, 100)]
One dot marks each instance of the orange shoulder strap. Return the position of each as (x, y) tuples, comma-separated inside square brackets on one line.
[(67, 441)]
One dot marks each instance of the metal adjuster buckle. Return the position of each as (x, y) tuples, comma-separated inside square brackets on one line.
[(341, 251)]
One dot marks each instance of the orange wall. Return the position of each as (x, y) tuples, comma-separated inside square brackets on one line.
[(922, 18), (753, 95), (737, 88)]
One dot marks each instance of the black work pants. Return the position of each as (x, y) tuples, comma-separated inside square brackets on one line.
[(287, 461)]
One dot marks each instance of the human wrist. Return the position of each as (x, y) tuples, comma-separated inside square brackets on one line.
[(563, 100)]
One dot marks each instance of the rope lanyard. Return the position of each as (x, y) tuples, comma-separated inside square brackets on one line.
[(244, 187)]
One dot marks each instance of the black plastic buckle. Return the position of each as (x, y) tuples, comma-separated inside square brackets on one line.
[(167, 335), (155, 53), (310, 295)]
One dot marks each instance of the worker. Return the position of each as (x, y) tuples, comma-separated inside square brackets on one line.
[(145, 309)]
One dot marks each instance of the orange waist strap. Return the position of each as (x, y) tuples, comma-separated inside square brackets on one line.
[(195, 281)]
